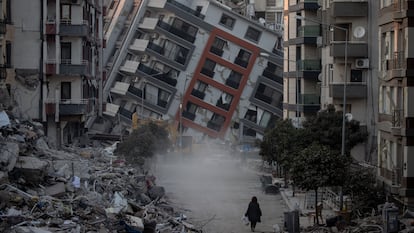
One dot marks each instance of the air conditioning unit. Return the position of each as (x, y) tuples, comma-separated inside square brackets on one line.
[(362, 63)]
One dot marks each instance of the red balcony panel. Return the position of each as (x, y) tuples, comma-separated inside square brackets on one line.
[(50, 69), (50, 108), (50, 28)]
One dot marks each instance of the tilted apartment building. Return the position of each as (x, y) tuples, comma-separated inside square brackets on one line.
[(55, 54), (191, 63), (6, 40)]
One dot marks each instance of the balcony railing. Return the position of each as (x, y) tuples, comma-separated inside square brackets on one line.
[(309, 31), (186, 9), (176, 31), (397, 117), (69, 29), (309, 65), (198, 94), (349, 8), (69, 106), (135, 91), (355, 49), (309, 99), (126, 113), (67, 67), (180, 59)]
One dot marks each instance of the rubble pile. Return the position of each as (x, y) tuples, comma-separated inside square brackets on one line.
[(75, 189)]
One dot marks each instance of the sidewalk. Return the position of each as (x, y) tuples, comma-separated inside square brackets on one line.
[(307, 215)]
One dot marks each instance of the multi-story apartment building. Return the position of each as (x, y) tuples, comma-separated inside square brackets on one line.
[(302, 60), (6, 40), (396, 96), (192, 63), (317, 67), (56, 59)]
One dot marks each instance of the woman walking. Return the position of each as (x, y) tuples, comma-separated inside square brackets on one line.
[(253, 213)]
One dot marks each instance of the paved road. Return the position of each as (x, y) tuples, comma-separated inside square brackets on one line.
[(214, 192)]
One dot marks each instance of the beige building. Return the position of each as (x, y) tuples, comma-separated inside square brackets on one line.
[(396, 96), (317, 67)]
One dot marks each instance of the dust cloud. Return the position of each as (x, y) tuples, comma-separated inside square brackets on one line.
[(212, 186)]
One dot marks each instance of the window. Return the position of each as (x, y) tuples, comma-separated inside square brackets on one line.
[(219, 43), (65, 91), (185, 27), (65, 12), (66, 52), (201, 86), (227, 21), (208, 68), (264, 121), (8, 11), (192, 108), (252, 34), (270, 3), (356, 75), (243, 58)]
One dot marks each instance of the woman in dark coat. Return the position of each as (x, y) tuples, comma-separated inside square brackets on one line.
[(253, 213)]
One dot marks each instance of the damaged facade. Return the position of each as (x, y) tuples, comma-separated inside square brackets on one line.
[(55, 59), (192, 63)]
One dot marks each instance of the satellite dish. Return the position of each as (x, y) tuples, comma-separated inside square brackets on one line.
[(348, 116), (359, 32)]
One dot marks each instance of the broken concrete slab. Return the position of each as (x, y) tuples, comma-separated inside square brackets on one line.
[(9, 151), (56, 190), (156, 192)]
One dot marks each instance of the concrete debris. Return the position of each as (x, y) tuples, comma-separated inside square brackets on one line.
[(75, 190)]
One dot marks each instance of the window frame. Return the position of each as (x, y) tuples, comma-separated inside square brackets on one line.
[(225, 18), (250, 34)]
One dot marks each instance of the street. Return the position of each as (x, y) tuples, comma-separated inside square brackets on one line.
[(213, 191)]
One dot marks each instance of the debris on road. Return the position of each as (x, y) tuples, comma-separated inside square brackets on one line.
[(74, 189)]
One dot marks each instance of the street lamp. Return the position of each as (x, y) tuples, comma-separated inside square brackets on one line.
[(344, 91)]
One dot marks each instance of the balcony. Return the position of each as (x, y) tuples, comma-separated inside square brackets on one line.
[(310, 102), (398, 61), (232, 83), (349, 8), (309, 65), (67, 67), (189, 115), (180, 59), (263, 97), (198, 94), (400, 9), (239, 61), (135, 91), (207, 72), (147, 70), (176, 31), (125, 113), (186, 9), (69, 107), (217, 51), (272, 76), (309, 31), (214, 125), (311, 5), (397, 118), (156, 48), (69, 29), (355, 49), (354, 90), (51, 28)]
